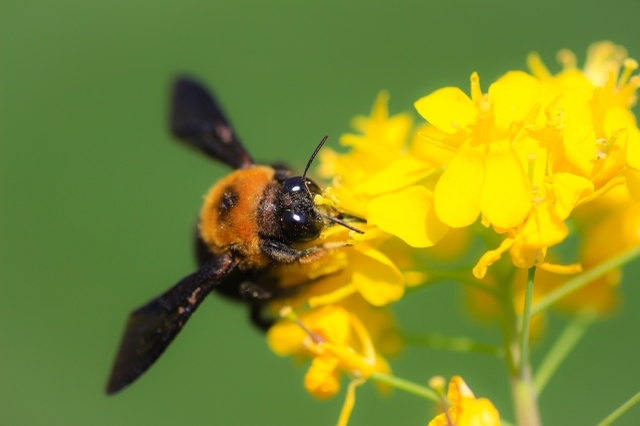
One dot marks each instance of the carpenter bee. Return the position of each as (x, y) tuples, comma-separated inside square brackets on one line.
[(253, 221)]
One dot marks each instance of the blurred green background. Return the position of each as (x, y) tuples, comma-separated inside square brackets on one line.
[(98, 203)]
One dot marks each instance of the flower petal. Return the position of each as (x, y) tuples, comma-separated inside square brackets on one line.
[(613, 162), (285, 338), (569, 189), (490, 257), (377, 278), (513, 96), (334, 296), (481, 413), (449, 109), (459, 392), (633, 147), (429, 145), (632, 176), (578, 135), (398, 174), (542, 229), (622, 118), (408, 214), (457, 193), (574, 268), (331, 322), (322, 380), (506, 193)]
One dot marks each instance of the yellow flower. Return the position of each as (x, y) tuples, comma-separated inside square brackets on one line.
[(529, 151), (607, 227), (360, 269), (337, 342), (466, 410), (484, 166), (379, 182)]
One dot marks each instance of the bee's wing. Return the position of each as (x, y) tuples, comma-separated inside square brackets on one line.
[(152, 327), (197, 119)]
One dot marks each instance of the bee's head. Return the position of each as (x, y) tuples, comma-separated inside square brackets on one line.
[(300, 219)]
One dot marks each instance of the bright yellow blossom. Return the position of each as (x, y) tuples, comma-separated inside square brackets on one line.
[(337, 342), (361, 270), (608, 226), (525, 154), (517, 168), (379, 182), (466, 410)]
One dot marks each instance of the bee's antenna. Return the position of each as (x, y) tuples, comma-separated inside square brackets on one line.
[(341, 222), (313, 156), (304, 181)]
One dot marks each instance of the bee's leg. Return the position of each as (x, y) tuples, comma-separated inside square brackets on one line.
[(252, 291), (282, 253), (258, 319)]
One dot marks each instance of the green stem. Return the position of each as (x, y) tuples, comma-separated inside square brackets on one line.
[(525, 400), (526, 319), (567, 340), (524, 394), (454, 344), (406, 386), (508, 323), (620, 411), (583, 279)]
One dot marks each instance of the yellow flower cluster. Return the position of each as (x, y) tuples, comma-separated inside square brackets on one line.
[(335, 339), (530, 150), (518, 165), (599, 140)]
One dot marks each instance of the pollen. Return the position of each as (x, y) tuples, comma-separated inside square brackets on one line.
[(476, 90), (537, 67), (437, 383), (630, 65), (601, 155), (538, 200), (567, 59)]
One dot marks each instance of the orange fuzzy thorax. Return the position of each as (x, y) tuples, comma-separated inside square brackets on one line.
[(229, 216)]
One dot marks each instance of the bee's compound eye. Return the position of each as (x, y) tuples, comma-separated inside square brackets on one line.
[(296, 184), (300, 227), (293, 184), (315, 189)]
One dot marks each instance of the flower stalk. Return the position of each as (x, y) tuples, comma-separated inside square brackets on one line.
[(525, 321), (406, 385), (620, 410), (585, 278), (524, 393)]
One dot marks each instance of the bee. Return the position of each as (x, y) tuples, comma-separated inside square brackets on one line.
[(253, 221)]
